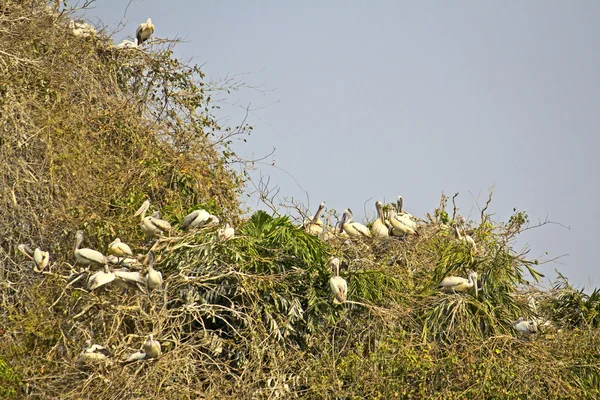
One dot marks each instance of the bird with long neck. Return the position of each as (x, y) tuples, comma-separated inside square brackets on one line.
[(87, 256), (40, 258), (144, 31), (399, 228), (338, 285), (379, 228), (465, 238), (353, 229), (152, 226), (313, 224), (154, 278), (458, 284), (404, 217)]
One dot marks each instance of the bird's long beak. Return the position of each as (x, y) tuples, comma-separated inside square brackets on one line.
[(475, 286), (142, 209)]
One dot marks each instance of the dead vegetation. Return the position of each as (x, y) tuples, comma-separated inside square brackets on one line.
[(88, 132)]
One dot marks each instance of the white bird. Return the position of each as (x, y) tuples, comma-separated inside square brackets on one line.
[(125, 262), (459, 284), (82, 29), (198, 219), (226, 233), (154, 278), (139, 355), (127, 44), (100, 278), (40, 258), (87, 256), (379, 227), (129, 279), (313, 224), (119, 249), (404, 217), (353, 229), (152, 226), (152, 347), (144, 31), (93, 352), (524, 327), (465, 238), (338, 285), (399, 228)]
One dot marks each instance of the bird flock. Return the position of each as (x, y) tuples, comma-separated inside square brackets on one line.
[(115, 270), (393, 221), (143, 32)]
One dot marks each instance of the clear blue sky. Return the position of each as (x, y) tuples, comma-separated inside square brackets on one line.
[(368, 100)]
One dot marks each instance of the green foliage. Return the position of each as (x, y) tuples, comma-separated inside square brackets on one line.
[(575, 308), (9, 381)]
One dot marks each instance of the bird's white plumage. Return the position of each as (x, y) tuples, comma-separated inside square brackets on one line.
[(524, 327), (196, 219), (100, 278), (337, 284), (152, 347), (353, 229), (154, 278), (152, 226), (226, 233), (144, 31), (87, 256), (458, 284), (313, 224), (41, 259), (379, 228), (119, 249)]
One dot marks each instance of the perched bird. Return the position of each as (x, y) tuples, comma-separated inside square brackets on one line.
[(458, 284), (464, 238), (152, 226), (100, 278), (226, 233), (129, 280), (198, 219), (398, 227), (93, 352), (150, 349), (313, 224), (338, 285), (524, 327), (403, 216), (128, 44), (154, 278), (144, 31), (125, 262), (353, 229), (119, 249), (379, 227), (87, 256), (40, 258), (82, 29)]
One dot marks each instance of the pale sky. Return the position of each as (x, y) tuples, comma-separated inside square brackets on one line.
[(368, 100)]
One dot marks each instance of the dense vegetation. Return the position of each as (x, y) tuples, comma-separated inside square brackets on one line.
[(89, 131)]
